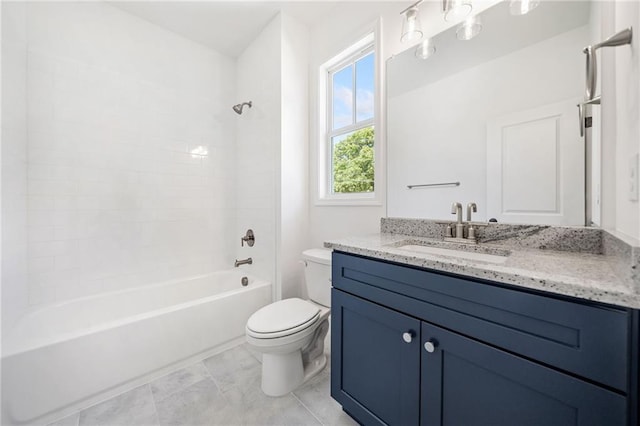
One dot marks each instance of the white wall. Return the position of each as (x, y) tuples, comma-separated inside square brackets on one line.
[(272, 153), (626, 65), (294, 153), (14, 158), (115, 108), (115, 197), (620, 139), (346, 25), (606, 15), (258, 140)]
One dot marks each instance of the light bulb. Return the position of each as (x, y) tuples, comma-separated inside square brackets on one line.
[(522, 7), (457, 10), (425, 49), (470, 28), (411, 29)]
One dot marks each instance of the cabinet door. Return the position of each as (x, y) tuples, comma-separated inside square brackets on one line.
[(375, 361), (465, 382)]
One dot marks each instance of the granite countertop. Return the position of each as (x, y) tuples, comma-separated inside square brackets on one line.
[(591, 274)]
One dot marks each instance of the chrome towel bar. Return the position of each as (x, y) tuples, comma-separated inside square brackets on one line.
[(434, 185)]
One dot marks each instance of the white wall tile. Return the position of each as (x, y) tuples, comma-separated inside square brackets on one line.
[(257, 147), (41, 294), (115, 197), (13, 169), (40, 265)]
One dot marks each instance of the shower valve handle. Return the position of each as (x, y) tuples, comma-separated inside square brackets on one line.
[(249, 238)]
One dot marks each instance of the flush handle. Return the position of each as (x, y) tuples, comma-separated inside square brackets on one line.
[(408, 336)]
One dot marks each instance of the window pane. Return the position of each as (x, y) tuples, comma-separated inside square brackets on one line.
[(364, 88), (343, 97), (352, 161)]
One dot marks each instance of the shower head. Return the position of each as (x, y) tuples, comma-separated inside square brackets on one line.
[(238, 108)]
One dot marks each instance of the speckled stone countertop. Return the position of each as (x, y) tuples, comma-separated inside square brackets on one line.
[(586, 263)]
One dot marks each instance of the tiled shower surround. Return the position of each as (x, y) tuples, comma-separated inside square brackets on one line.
[(130, 153)]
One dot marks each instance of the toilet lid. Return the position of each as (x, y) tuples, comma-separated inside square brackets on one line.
[(318, 255), (287, 314)]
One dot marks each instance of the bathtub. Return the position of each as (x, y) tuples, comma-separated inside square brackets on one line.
[(70, 355)]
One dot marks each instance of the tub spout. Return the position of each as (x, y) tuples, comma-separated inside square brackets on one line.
[(247, 261)]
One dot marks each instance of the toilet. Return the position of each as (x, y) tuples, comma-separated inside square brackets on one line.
[(290, 333)]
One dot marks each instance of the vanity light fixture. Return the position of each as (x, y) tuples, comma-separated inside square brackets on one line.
[(470, 28), (425, 49), (456, 10), (411, 28), (522, 7)]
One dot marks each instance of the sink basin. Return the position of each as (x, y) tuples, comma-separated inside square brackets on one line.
[(459, 251)]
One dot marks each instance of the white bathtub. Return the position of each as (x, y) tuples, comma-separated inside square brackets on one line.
[(70, 355)]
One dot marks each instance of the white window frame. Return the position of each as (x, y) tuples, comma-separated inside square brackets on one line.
[(325, 196)]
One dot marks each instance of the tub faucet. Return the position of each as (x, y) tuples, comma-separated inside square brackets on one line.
[(247, 261)]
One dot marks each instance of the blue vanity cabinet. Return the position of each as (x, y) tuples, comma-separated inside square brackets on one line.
[(415, 347), (465, 382), (377, 378)]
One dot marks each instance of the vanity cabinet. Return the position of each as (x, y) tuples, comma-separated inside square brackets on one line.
[(412, 346), (380, 362)]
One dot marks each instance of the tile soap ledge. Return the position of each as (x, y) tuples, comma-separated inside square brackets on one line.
[(587, 263)]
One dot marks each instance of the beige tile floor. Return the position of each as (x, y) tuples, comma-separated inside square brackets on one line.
[(221, 390)]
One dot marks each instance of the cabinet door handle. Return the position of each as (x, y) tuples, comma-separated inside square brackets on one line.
[(430, 345), (407, 336)]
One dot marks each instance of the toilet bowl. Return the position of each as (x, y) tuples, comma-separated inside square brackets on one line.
[(290, 333)]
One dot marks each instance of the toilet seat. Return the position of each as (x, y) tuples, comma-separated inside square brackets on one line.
[(283, 318)]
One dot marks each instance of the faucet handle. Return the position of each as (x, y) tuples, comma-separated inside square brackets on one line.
[(471, 233), (448, 232), (249, 238)]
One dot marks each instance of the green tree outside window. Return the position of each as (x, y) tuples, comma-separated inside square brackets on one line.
[(353, 162)]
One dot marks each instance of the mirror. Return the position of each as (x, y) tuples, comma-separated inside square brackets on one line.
[(498, 115)]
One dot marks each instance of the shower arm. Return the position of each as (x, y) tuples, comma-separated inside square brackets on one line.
[(239, 107)]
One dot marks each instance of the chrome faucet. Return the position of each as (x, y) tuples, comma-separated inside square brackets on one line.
[(457, 234), (247, 261), (471, 231), (456, 208), (471, 207)]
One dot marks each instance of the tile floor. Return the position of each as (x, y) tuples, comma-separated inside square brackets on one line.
[(221, 390)]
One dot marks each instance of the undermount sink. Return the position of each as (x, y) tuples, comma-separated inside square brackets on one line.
[(456, 250)]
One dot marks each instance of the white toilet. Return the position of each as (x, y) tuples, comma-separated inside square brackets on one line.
[(290, 333)]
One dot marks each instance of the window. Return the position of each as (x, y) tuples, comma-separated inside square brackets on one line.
[(347, 169)]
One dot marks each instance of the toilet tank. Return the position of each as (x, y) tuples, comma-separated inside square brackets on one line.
[(317, 275)]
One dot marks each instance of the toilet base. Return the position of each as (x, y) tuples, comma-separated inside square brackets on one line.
[(284, 369), (315, 367), (281, 373)]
